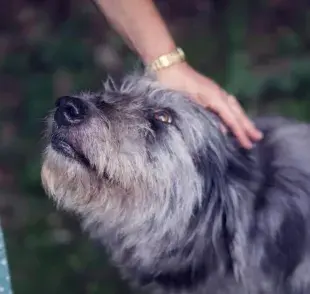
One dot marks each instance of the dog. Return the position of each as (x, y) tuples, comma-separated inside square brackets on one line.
[(178, 204)]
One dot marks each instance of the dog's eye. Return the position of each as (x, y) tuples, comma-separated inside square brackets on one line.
[(163, 116)]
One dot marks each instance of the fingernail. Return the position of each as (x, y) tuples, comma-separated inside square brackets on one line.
[(260, 135), (249, 145)]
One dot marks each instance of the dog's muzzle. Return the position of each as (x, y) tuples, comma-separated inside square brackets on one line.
[(70, 112)]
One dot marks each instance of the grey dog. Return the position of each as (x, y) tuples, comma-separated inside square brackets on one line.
[(180, 206)]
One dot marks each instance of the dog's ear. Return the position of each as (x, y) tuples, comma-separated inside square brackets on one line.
[(212, 169), (211, 166)]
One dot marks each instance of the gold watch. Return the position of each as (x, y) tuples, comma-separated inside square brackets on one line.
[(167, 60)]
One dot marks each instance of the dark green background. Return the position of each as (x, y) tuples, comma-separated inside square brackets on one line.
[(257, 50)]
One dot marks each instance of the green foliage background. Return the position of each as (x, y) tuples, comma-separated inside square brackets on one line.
[(259, 52)]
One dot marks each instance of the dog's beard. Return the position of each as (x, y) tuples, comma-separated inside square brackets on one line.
[(66, 181), (162, 194)]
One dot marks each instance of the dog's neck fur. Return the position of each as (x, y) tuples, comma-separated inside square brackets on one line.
[(211, 250)]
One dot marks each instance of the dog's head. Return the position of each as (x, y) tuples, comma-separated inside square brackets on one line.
[(133, 145)]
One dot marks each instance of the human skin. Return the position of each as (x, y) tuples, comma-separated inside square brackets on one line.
[(142, 27)]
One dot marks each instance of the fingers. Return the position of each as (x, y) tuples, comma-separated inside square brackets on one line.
[(230, 111), (228, 116), (248, 125)]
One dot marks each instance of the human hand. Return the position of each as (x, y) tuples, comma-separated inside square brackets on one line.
[(182, 77)]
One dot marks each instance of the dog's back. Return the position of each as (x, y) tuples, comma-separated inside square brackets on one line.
[(278, 241)]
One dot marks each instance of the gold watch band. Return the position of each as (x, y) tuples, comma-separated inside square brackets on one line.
[(167, 60)]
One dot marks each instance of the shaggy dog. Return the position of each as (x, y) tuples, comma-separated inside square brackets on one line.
[(178, 204)]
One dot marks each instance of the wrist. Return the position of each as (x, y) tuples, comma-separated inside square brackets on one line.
[(151, 54), (178, 73), (164, 61)]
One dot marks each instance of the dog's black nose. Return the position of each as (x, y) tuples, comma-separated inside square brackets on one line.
[(70, 111)]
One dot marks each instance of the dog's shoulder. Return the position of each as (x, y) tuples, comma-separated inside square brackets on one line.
[(282, 213), (286, 143)]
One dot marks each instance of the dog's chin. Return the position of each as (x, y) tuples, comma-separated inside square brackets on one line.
[(62, 146)]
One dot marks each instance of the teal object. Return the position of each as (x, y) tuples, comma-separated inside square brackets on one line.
[(5, 279)]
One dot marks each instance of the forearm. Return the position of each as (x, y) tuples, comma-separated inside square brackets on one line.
[(139, 22)]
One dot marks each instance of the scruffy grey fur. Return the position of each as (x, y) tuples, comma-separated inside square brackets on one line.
[(179, 205)]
